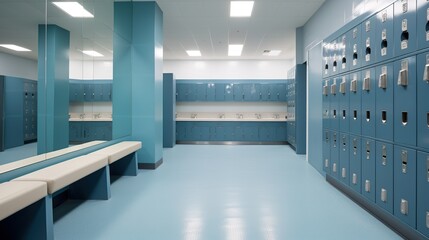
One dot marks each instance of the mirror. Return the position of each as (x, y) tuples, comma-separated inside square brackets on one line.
[(90, 77)]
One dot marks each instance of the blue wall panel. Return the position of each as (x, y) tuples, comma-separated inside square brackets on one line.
[(169, 106)]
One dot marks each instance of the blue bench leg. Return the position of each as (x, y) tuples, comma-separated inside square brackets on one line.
[(94, 186), (32, 222), (127, 166)]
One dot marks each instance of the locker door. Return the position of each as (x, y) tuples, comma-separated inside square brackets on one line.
[(368, 169), (334, 104), (181, 90), (335, 151), (326, 151), (201, 92), (238, 92), (368, 103), (405, 168), (355, 48), (384, 44), (335, 58), (384, 176), (405, 27), (326, 102), (384, 102), (211, 92), (266, 92), (405, 101), (344, 159), (325, 66), (355, 163), (422, 24), (422, 100), (344, 111), (355, 103), (280, 93), (220, 91), (368, 40), (88, 92), (343, 48), (229, 92), (423, 193)]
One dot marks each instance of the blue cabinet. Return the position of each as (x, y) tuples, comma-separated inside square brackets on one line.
[(326, 151), (344, 159), (201, 92), (326, 104), (326, 68), (356, 55), (384, 103), (355, 103), (422, 24), (355, 163), (89, 131), (384, 176), (405, 168), (90, 91), (384, 34), (211, 92), (405, 27), (343, 49), (423, 193), (343, 97), (335, 154), (368, 40), (368, 103), (238, 92), (405, 102), (368, 169), (422, 100), (76, 92), (335, 58)]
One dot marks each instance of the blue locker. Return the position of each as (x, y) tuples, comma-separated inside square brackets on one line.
[(423, 193), (88, 92), (238, 92), (220, 91), (281, 132), (279, 92), (355, 50), (344, 114), (368, 40), (326, 151), (335, 58), (267, 132), (404, 176), (201, 92), (229, 92), (344, 168), (422, 100), (384, 44), (326, 68), (384, 103), (422, 24), (251, 132), (252, 92), (355, 163), (211, 92), (181, 134), (107, 92), (343, 48), (265, 92), (405, 102), (368, 169), (384, 176), (180, 92), (368, 102), (334, 104), (405, 27), (326, 103), (335, 155), (355, 103)]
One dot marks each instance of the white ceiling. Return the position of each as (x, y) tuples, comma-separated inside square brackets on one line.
[(202, 25)]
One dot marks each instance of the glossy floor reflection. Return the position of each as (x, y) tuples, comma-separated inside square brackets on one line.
[(222, 192)]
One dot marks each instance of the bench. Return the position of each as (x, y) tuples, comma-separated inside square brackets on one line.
[(126, 153), (25, 212)]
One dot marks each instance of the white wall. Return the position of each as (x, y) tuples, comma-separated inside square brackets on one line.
[(228, 69), (14, 66), (90, 70)]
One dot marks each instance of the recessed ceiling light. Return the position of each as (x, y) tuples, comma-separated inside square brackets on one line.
[(15, 47), (235, 50), (74, 9), (271, 52), (241, 8), (194, 53), (92, 53)]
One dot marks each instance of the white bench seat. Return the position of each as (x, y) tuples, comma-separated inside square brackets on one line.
[(119, 150), (65, 173), (15, 196)]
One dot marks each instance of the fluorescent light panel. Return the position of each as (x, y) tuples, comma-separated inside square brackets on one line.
[(271, 52), (241, 8), (74, 9), (92, 53), (194, 53), (15, 47), (234, 50)]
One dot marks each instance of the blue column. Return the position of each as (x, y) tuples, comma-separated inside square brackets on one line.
[(142, 75), (53, 88), (169, 117)]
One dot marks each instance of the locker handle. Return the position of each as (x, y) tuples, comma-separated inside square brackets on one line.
[(367, 186), (383, 43), (404, 206), (326, 66), (334, 167), (383, 196), (344, 115), (334, 89), (384, 117), (382, 81), (368, 116), (403, 77), (343, 173), (344, 60), (355, 56), (427, 168), (404, 158), (353, 86), (404, 118), (354, 179), (354, 114), (426, 73), (343, 87), (384, 156), (334, 113), (427, 219), (366, 84), (326, 163)]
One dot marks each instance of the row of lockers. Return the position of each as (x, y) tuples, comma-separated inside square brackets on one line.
[(90, 91), (212, 91), (393, 177), (387, 102), (89, 131), (30, 110), (399, 29), (231, 131)]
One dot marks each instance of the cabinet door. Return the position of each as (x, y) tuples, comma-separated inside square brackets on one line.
[(98, 92), (279, 92), (107, 92), (75, 134), (211, 92), (229, 92), (238, 92), (201, 92), (220, 91), (266, 92), (88, 92)]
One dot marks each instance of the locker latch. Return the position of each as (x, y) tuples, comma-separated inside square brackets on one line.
[(343, 173), (353, 85), (404, 206), (427, 168), (383, 195), (403, 77), (343, 87), (404, 6), (355, 55), (366, 84), (354, 146), (334, 89), (327, 136), (426, 73), (368, 50), (326, 163), (384, 42), (405, 35), (384, 155), (334, 167), (325, 90), (427, 23), (382, 81), (404, 158), (334, 139), (367, 186), (354, 179), (427, 219), (344, 143), (368, 150)]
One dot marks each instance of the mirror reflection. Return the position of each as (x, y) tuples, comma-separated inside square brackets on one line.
[(25, 85)]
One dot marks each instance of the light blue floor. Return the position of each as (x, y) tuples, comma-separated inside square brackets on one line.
[(222, 192), (17, 153)]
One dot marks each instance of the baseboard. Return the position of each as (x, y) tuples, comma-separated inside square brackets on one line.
[(151, 166), (232, 143), (388, 219)]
